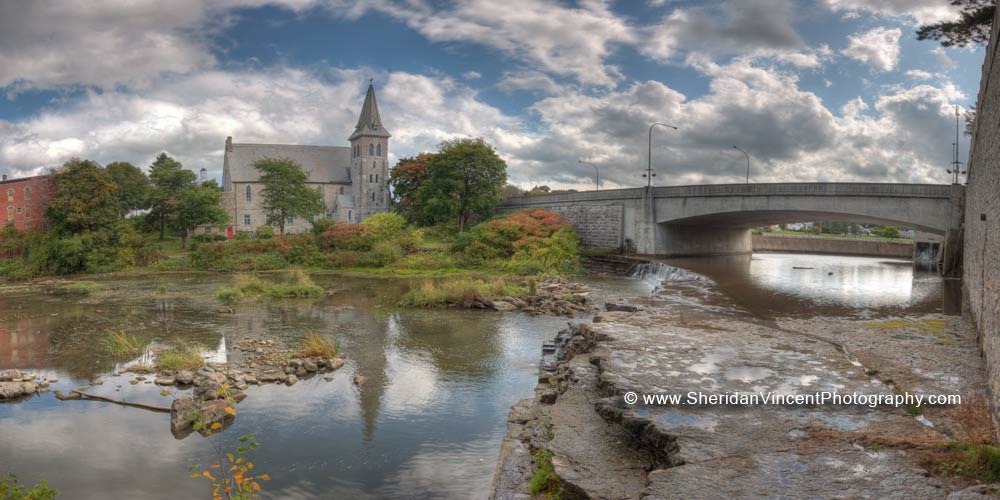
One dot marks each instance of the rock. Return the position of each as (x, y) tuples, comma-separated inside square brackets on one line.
[(289, 369), (12, 390), (217, 377), (184, 411), (133, 381), (165, 380), (272, 376), (225, 310), (239, 396), (164, 392), (328, 379), (184, 377), (208, 390), (9, 375), (334, 364), (250, 379), (612, 306), (359, 379), (975, 492), (44, 384), (309, 365), (53, 380), (291, 380), (295, 363), (64, 397), (300, 371), (503, 306), (96, 381)]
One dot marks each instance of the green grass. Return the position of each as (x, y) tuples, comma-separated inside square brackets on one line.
[(180, 358), (81, 286), (544, 481), (250, 286), (437, 293), (975, 461), (316, 345), (123, 343)]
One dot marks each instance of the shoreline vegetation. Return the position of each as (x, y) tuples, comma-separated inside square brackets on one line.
[(529, 243)]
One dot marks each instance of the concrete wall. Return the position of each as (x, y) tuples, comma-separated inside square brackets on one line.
[(981, 266), (837, 246)]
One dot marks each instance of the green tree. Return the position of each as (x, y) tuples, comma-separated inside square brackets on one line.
[(133, 187), (404, 179), (198, 206), (888, 232), (84, 199), (971, 28), (285, 192), (169, 180), (464, 178)]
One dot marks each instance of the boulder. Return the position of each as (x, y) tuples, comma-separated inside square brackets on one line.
[(184, 412), (334, 363), (612, 306), (8, 375), (13, 390), (359, 379), (184, 377), (165, 380), (272, 376), (309, 365), (291, 380), (503, 306), (208, 390)]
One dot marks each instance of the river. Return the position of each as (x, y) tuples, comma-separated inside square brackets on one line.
[(428, 422)]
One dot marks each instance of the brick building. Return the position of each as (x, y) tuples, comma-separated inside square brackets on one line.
[(23, 201)]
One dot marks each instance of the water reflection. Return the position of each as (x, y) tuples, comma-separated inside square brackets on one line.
[(795, 284), (426, 423)]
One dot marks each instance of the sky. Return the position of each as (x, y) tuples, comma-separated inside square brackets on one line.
[(812, 90)]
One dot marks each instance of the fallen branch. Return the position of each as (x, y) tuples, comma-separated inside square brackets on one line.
[(162, 409)]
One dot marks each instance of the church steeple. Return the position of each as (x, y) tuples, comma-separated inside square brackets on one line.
[(369, 123)]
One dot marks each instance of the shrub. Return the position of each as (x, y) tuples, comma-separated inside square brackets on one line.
[(265, 232), (11, 490), (347, 236), (382, 254), (385, 225), (250, 286), (319, 226), (535, 236)]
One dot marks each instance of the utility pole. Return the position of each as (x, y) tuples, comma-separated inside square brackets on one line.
[(597, 174), (956, 166), (649, 166), (748, 162)]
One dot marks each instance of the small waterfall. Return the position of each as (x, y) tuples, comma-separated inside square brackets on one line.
[(658, 273)]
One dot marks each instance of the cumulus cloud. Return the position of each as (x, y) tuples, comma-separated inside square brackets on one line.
[(527, 80), (921, 11), (105, 43), (564, 40), (878, 47), (762, 28)]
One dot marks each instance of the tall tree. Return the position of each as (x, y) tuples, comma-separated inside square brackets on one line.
[(84, 199), (285, 192), (169, 179), (198, 206), (464, 178), (133, 187), (971, 28), (404, 179)]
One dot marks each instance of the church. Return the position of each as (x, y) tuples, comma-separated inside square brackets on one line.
[(353, 180)]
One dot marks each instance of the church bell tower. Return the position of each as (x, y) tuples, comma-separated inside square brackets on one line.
[(369, 161)]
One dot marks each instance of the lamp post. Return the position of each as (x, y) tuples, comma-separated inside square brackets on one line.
[(649, 166), (748, 162), (597, 174)]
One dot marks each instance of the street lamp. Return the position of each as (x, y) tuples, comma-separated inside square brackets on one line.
[(649, 166), (748, 162), (597, 174)]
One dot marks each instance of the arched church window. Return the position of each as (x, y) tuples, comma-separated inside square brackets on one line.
[(376, 177), (341, 189), (27, 193), (10, 213), (371, 150), (378, 150), (373, 195), (249, 194)]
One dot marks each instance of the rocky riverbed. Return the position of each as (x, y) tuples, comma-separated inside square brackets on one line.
[(579, 436)]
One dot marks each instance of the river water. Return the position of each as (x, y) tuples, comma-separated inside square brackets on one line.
[(427, 423)]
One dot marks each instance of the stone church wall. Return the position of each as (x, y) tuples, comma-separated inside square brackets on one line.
[(981, 269)]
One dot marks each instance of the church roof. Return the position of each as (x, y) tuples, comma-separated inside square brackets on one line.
[(321, 163), (369, 123)]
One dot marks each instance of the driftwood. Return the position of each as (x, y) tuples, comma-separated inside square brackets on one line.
[(92, 397)]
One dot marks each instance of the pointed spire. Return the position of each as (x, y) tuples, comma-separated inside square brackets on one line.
[(369, 123)]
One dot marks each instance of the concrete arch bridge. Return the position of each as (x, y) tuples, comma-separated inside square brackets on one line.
[(680, 221)]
